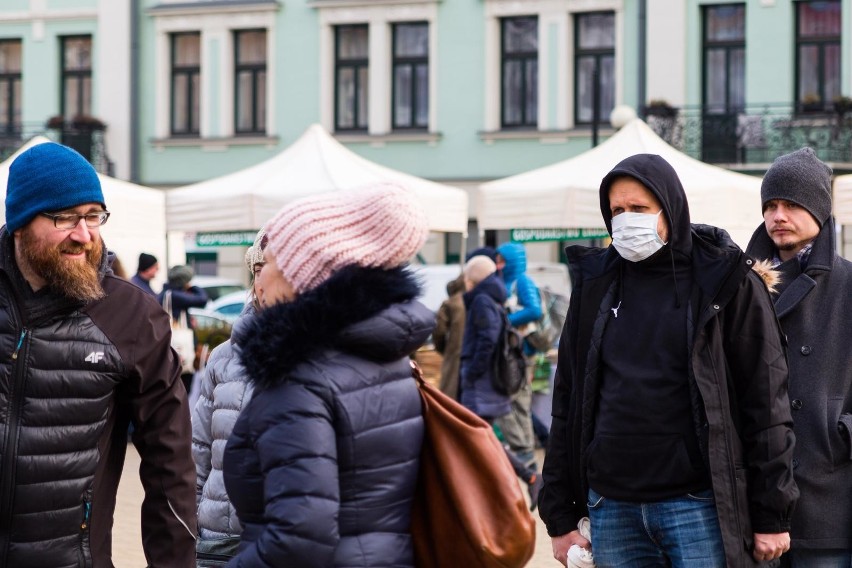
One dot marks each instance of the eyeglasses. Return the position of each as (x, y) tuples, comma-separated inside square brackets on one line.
[(66, 221)]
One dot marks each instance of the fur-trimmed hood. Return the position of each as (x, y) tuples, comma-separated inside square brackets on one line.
[(369, 312)]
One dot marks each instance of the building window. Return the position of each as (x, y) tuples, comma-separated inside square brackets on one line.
[(10, 85), (76, 59), (186, 83), (351, 72), (817, 54), (410, 75), (519, 72), (724, 58), (250, 84), (594, 66)]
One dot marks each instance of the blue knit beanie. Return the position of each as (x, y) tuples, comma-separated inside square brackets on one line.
[(48, 177)]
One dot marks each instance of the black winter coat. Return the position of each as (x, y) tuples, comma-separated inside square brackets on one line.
[(72, 377), (737, 375), (815, 310), (322, 464)]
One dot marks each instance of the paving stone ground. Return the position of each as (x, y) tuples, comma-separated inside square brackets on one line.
[(127, 534)]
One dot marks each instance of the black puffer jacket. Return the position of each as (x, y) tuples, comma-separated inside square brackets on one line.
[(815, 311), (72, 377), (322, 464), (737, 373)]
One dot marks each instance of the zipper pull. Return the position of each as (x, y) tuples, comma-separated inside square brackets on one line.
[(87, 511), (20, 342)]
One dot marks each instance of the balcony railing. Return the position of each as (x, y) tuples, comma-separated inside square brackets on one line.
[(90, 143), (751, 137)]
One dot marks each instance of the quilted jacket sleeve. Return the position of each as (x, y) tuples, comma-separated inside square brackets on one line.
[(487, 322), (528, 299), (202, 416), (296, 442)]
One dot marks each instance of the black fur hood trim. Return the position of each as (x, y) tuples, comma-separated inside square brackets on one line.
[(283, 335)]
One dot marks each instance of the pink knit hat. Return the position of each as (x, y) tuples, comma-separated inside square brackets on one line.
[(381, 225)]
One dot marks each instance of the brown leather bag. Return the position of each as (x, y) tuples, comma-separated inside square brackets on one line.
[(468, 509)]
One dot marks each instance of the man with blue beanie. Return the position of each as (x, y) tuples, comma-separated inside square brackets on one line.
[(89, 354)]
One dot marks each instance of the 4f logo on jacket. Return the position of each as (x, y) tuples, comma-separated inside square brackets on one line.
[(95, 356)]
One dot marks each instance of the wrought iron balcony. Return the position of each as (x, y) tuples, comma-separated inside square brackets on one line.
[(750, 138), (88, 141)]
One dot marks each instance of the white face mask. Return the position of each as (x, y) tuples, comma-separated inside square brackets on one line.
[(634, 235)]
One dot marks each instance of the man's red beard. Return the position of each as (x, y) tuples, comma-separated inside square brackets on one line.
[(71, 278)]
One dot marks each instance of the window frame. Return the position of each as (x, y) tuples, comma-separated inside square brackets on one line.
[(525, 58), (412, 62), (187, 71), (8, 80), (256, 128), (727, 46), (356, 64), (78, 75), (597, 53), (820, 42)]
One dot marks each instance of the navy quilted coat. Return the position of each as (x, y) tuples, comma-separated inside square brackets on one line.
[(322, 464)]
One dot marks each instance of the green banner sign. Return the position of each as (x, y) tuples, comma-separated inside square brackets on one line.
[(542, 235), (225, 239)]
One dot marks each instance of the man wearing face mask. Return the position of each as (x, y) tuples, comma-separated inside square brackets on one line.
[(671, 424)]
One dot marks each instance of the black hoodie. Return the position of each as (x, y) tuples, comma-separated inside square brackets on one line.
[(645, 447)]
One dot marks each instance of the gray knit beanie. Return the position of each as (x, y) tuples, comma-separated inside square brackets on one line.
[(179, 276), (802, 178)]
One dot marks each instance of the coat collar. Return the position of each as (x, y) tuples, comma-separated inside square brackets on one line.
[(368, 311), (821, 257)]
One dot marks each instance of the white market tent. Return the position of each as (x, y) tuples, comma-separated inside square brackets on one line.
[(843, 199), (565, 195), (315, 163), (137, 220)]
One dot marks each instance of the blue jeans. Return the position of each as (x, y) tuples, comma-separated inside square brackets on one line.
[(808, 558), (681, 533)]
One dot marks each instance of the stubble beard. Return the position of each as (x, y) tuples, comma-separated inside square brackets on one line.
[(71, 278), (791, 244)]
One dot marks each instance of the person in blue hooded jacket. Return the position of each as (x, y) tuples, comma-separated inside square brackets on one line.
[(524, 305)]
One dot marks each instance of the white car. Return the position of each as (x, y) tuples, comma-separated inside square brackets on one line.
[(216, 286), (230, 305)]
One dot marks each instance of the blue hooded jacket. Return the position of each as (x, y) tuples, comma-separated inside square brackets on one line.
[(518, 282)]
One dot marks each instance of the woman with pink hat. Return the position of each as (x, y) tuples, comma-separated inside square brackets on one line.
[(322, 464)]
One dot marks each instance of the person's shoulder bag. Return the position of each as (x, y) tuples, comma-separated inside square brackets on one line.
[(468, 508)]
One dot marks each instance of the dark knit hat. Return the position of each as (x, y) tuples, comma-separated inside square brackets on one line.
[(802, 178), (490, 252), (48, 177), (179, 276), (146, 261)]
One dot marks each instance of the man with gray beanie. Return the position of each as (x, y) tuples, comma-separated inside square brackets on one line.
[(182, 296), (813, 305), (86, 354)]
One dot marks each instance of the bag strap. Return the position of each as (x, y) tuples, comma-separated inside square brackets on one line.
[(167, 306), (417, 373)]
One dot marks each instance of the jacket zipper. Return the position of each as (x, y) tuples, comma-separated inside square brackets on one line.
[(20, 342), (84, 530), (7, 485)]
